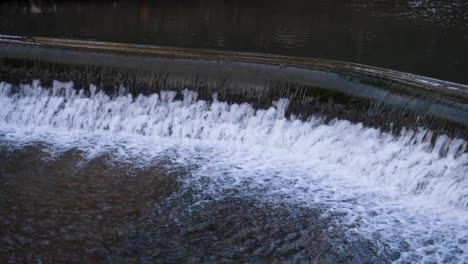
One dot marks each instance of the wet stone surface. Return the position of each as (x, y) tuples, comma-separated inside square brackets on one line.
[(63, 209)]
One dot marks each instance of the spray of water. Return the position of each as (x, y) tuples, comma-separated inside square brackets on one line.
[(405, 191)]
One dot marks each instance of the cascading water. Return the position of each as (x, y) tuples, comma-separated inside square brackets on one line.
[(408, 192)]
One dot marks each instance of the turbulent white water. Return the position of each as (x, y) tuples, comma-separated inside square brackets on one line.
[(401, 191)]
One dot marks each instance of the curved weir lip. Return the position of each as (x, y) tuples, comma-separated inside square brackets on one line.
[(372, 196), (246, 73), (185, 53)]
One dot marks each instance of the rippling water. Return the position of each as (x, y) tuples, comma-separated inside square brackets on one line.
[(195, 180), (426, 37)]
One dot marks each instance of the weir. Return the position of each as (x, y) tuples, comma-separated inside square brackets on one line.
[(380, 98), (222, 153)]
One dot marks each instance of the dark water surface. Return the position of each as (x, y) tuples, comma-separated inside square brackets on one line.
[(427, 37), (66, 209)]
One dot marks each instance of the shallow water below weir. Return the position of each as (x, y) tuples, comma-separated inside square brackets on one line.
[(66, 208), (88, 176)]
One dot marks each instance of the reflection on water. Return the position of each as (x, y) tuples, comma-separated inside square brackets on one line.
[(427, 37)]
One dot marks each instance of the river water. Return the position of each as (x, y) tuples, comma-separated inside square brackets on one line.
[(90, 174), (426, 37), (121, 178)]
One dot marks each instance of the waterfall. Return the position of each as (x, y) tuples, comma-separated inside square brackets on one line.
[(263, 152)]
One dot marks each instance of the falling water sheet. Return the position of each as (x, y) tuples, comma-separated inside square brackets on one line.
[(405, 194)]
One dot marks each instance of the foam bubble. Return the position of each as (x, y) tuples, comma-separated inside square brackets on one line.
[(401, 190)]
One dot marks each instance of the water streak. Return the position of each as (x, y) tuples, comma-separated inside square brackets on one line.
[(404, 191)]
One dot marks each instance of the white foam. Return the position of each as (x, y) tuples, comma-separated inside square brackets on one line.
[(397, 190)]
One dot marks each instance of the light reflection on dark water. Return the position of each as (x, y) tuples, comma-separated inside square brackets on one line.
[(65, 209), (427, 37)]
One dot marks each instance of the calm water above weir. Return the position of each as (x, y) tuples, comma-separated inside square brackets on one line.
[(427, 37)]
